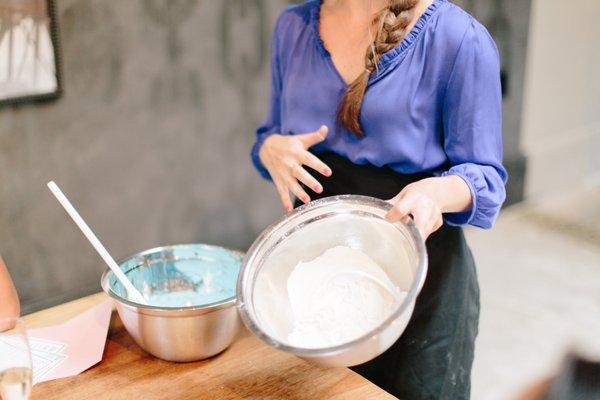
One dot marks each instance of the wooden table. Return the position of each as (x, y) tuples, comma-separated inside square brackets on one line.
[(247, 370)]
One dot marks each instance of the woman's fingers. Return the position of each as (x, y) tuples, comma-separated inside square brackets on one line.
[(310, 139), (295, 187), (285, 160), (427, 218), (423, 207), (396, 198), (401, 209), (424, 219), (313, 161), (284, 194), (303, 176), (423, 213)]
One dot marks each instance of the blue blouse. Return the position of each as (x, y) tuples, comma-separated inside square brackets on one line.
[(434, 103)]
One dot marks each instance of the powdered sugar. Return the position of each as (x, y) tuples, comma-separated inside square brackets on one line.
[(337, 297)]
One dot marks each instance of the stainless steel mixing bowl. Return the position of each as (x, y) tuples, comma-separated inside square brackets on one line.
[(175, 333), (354, 221)]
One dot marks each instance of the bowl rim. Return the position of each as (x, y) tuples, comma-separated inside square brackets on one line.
[(417, 285), (165, 311)]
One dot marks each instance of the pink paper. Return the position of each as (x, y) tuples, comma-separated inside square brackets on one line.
[(72, 347)]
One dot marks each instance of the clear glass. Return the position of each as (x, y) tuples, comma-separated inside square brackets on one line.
[(15, 360)]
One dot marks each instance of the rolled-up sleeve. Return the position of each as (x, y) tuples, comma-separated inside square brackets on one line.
[(272, 123), (472, 118)]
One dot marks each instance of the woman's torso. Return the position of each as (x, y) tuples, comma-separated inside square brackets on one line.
[(402, 107)]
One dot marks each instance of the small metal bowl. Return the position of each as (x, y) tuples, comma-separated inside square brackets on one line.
[(181, 334), (354, 221)]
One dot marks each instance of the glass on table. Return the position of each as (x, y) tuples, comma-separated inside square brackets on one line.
[(15, 360)]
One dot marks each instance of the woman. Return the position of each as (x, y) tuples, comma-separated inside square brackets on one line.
[(416, 120)]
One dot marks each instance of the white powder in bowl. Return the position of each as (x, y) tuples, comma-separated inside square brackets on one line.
[(337, 297)]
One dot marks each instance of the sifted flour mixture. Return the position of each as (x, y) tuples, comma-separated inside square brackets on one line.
[(337, 297)]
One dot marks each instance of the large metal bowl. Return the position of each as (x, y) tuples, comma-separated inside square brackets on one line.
[(174, 333), (354, 221)]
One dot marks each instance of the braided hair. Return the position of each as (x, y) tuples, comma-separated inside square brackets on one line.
[(391, 25)]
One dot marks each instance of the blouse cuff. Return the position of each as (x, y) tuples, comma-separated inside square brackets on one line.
[(484, 209), (255, 153)]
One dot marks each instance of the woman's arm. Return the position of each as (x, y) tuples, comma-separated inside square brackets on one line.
[(272, 123), (9, 300), (472, 190), (281, 157)]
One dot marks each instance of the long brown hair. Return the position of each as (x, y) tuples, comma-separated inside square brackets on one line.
[(391, 23)]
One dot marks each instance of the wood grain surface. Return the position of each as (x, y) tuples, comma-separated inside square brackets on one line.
[(247, 370)]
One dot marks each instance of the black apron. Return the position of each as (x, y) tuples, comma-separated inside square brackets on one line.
[(433, 357)]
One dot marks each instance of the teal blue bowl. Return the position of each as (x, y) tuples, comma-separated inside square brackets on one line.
[(181, 276), (191, 294)]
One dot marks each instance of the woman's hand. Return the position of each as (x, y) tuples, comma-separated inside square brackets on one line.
[(427, 199), (284, 156)]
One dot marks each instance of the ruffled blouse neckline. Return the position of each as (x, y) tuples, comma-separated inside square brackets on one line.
[(388, 57)]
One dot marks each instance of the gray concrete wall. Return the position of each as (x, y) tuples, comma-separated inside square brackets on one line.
[(151, 138), (150, 141), (561, 129)]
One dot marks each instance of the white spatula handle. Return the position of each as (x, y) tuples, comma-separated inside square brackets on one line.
[(132, 292)]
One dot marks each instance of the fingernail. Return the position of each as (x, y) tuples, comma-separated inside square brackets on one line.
[(327, 172), (306, 199), (317, 188)]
